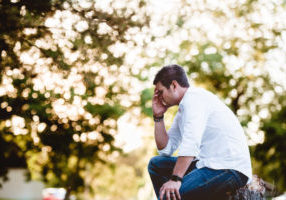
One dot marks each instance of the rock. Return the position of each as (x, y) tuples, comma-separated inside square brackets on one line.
[(256, 190)]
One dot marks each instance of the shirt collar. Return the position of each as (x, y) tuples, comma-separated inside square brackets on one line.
[(184, 97)]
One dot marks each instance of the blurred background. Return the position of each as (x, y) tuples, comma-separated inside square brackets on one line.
[(76, 87)]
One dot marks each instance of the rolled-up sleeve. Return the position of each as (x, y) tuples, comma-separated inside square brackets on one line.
[(195, 114), (174, 139)]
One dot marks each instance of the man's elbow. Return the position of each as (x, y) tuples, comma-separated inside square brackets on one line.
[(161, 146), (165, 152)]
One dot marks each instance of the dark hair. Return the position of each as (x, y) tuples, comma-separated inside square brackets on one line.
[(169, 73)]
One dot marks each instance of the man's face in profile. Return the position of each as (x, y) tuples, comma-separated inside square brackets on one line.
[(164, 95)]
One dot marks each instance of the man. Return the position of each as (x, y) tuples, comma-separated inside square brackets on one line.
[(213, 156)]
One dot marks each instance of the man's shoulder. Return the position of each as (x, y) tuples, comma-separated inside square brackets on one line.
[(197, 97), (198, 93)]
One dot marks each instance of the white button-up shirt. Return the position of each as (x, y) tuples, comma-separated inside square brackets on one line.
[(206, 128)]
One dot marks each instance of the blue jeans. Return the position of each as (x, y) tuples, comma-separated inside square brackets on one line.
[(203, 183)]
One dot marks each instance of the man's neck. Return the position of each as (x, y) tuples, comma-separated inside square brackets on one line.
[(182, 93)]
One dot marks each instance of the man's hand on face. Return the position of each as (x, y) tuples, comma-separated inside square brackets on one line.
[(157, 104), (170, 189)]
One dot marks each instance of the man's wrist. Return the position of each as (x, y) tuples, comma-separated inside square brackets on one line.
[(158, 118), (176, 178)]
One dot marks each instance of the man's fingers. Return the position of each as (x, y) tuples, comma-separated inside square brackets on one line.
[(173, 195), (156, 92), (177, 194), (168, 195), (162, 192)]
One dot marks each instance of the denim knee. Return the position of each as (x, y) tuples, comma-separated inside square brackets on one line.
[(152, 163)]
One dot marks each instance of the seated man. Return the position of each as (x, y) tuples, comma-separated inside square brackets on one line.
[(213, 156)]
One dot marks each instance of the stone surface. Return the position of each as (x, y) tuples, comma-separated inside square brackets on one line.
[(256, 190)]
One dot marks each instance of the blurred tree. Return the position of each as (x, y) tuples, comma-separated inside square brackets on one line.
[(127, 177), (123, 179), (63, 84), (270, 155)]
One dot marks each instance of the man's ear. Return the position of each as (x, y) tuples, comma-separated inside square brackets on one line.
[(174, 84)]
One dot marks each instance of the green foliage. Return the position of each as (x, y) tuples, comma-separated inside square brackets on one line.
[(270, 155), (58, 113), (146, 103), (105, 111)]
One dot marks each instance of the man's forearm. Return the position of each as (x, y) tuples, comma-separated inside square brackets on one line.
[(161, 136), (182, 164)]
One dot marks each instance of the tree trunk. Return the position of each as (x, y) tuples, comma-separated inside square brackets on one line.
[(68, 192)]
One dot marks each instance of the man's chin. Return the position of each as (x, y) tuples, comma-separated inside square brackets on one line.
[(166, 104)]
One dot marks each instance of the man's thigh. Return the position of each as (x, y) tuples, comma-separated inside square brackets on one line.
[(166, 164), (206, 183), (162, 164)]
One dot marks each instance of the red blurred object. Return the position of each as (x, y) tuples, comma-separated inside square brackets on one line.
[(54, 194), (51, 197)]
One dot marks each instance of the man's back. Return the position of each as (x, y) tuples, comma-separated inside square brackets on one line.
[(223, 143)]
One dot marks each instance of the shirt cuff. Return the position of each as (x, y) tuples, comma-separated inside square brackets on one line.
[(191, 150), (167, 151)]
